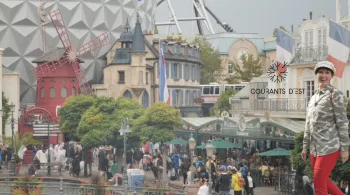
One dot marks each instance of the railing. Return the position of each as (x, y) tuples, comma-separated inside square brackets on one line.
[(60, 188), (290, 184), (281, 104), (310, 54)]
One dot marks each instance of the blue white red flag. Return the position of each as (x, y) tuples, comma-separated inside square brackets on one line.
[(338, 47), (284, 48), (163, 88)]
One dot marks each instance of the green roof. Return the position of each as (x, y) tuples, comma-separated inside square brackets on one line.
[(200, 121), (289, 124)]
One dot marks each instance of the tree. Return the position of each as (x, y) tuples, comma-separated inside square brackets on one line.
[(211, 72), (101, 123), (157, 123), (70, 114), (21, 140), (6, 112), (223, 103), (250, 68), (155, 30), (275, 31)]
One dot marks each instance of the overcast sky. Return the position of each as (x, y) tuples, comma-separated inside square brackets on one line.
[(253, 16)]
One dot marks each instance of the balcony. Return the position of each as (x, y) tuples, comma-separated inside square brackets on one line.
[(277, 107), (310, 54), (280, 105)]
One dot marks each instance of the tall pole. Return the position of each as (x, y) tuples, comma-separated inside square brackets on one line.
[(48, 150), (13, 162), (124, 159)]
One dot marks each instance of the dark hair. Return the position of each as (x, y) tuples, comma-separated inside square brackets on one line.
[(234, 171), (324, 68)]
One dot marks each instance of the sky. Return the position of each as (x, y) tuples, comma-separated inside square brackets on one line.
[(252, 16)]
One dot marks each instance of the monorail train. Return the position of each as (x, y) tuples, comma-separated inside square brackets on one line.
[(211, 92)]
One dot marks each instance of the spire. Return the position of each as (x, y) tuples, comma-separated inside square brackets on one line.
[(127, 27), (138, 44)]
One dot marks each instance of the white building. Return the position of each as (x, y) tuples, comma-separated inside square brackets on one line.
[(289, 102)]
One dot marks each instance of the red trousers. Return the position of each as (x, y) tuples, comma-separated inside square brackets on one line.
[(323, 166)]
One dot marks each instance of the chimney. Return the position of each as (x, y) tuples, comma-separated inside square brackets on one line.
[(310, 15), (292, 29)]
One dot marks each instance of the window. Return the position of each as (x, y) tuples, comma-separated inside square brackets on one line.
[(309, 44), (230, 68), (63, 92), (262, 85), (175, 49), (176, 71), (121, 76), (145, 99), (347, 93), (73, 91), (146, 78), (179, 98), (42, 92), (309, 89), (52, 92), (141, 77), (127, 94), (167, 70), (322, 43), (187, 70), (165, 47), (187, 97)]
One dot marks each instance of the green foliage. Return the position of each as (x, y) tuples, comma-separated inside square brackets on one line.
[(71, 112), (158, 123), (303, 168), (156, 30), (223, 103), (275, 31), (211, 72), (6, 109), (250, 68), (25, 140), (100, 124)]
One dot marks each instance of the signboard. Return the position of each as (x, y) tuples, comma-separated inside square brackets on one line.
[(198, 100)]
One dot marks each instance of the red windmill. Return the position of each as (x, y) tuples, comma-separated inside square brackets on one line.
[(63, 73), (46, 69)]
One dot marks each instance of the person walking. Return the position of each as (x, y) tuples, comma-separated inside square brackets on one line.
[(307, 186), (326, 130)]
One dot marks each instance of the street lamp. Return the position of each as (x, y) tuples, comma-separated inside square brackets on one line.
[(192, 146), (210, 151), (124, 129), (13, 122)]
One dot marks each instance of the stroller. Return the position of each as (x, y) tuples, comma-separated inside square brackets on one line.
[(146, 162)]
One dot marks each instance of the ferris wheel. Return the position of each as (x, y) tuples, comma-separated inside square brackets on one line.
[(200, 15)]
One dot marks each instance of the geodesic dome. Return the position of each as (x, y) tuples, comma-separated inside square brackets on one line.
[(22, 40)]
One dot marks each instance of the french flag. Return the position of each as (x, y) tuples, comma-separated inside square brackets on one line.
[(338, 47), (163, 92), (284, 49)]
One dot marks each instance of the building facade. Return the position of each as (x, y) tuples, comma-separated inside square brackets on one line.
[(133, 70), (289, 98), (232, 46)]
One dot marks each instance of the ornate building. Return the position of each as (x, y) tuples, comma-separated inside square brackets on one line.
[(132, 70)]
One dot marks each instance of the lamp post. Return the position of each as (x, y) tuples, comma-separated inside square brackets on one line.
[(124, 129), (192, 146), (12, 122), (48, 150), (210, 151)]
